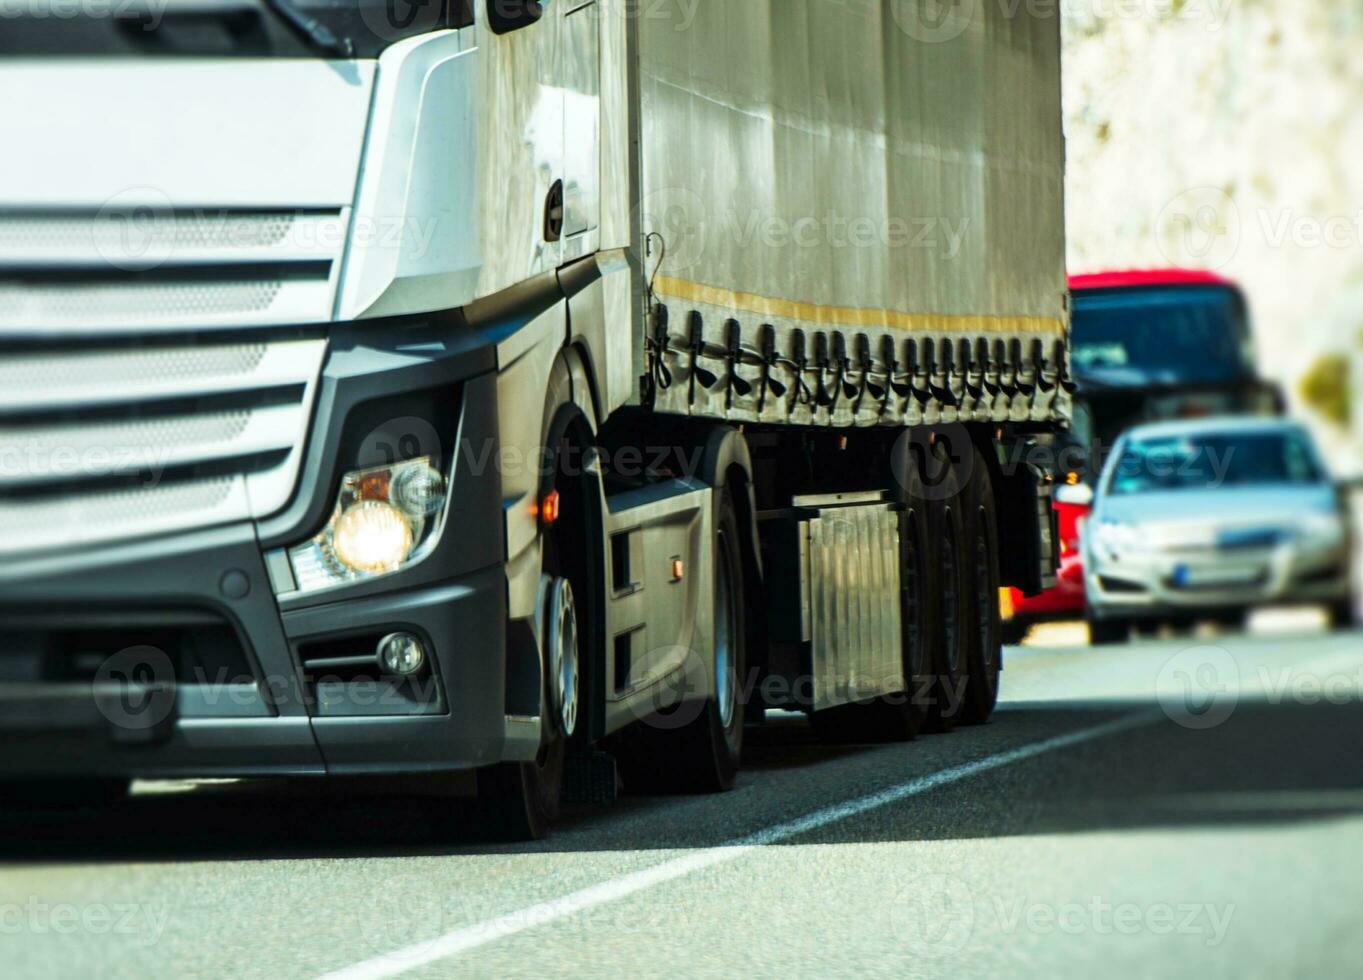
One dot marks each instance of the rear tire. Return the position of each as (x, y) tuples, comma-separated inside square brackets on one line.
[(1108, 632), (950, 619), (1236, 621), (1343, 615), (704, 755), (984, 626)]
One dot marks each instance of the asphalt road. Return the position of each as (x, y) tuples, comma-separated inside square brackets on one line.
[(1186, 807)]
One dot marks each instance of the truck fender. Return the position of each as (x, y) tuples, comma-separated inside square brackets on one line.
[(726, 453)]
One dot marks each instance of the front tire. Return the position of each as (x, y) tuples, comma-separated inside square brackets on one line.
[(1343, 615), (1108, 632), (524, 799)]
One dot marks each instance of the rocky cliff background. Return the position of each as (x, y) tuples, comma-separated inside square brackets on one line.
[(1228, 134)]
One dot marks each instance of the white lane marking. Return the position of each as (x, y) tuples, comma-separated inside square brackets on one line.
[(481, 933)]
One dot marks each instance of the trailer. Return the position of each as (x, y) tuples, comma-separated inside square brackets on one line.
[(518, 397)]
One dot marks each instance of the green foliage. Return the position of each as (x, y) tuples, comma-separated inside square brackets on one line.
[(1326, 388)]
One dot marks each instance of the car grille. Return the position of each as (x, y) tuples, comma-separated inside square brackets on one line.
[(106, 444), (157, 367), (150, 268)]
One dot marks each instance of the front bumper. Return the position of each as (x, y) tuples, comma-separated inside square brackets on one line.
[(1150, 584), (79, 695)]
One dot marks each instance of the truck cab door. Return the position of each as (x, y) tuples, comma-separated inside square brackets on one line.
[(580, 74)]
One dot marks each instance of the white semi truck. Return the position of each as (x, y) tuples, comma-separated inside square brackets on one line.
[(501, 392)]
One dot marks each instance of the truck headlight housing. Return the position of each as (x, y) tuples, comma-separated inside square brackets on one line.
[(385, 518)]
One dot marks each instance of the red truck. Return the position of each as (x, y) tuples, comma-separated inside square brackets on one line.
[(1146, 346)]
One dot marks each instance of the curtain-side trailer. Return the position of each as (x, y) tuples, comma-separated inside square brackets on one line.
[(513, 392)]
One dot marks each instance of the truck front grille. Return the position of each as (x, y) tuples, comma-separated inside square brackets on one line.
[(111, 443), (150, 266)]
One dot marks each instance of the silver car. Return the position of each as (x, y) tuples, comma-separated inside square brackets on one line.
[(1209, 519)]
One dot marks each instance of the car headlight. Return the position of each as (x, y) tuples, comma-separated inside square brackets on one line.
[(1115, 537), (385, 518), (1322, 528)]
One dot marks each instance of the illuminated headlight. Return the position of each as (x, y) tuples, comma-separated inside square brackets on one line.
[(370, 536), (385, 518)]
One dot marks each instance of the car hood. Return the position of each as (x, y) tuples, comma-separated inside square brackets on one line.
[(1224, 507)]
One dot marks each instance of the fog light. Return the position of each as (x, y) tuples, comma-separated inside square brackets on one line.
[(401, 653), (371, 536)]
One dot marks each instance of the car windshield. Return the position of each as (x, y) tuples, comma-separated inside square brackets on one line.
[(1205, 462), (1167, 335)]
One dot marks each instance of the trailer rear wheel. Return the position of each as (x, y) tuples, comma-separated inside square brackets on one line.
[(985, 629), (950, 616)]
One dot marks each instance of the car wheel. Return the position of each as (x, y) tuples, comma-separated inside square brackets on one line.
[(1107, 632), (1343, 615)]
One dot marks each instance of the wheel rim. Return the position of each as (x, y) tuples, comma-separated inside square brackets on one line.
[(563, 665), (951, 595), (725, 688), (984, 593)]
